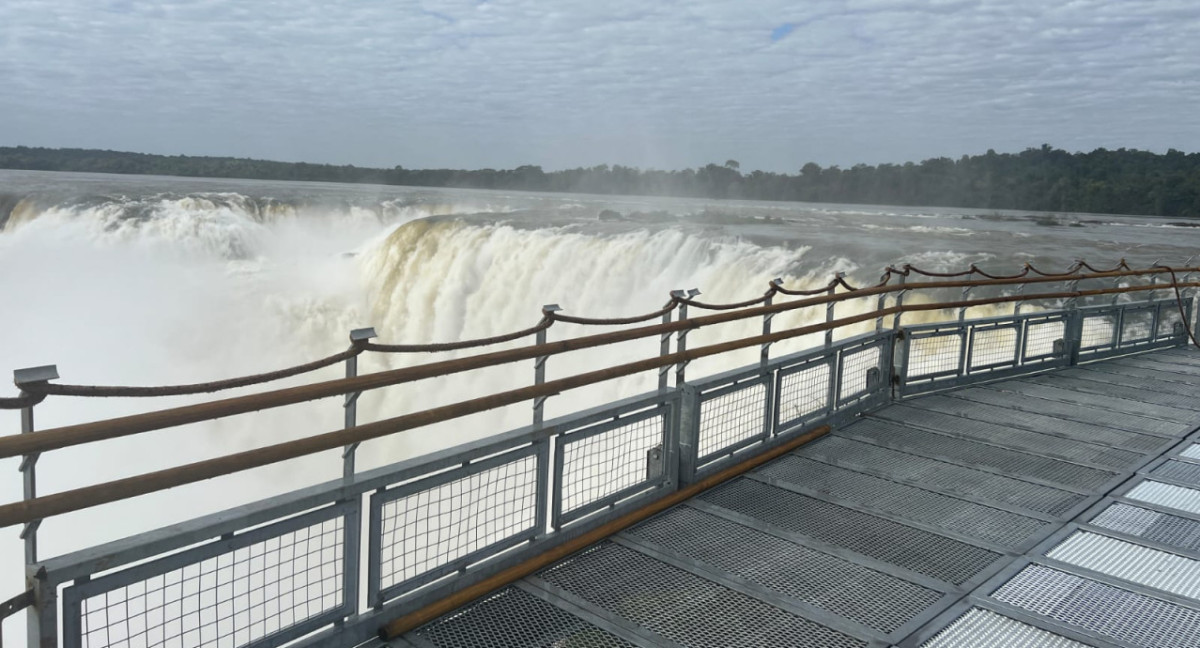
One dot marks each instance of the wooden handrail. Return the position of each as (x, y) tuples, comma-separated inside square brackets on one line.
[(55, 438), (86, 497)]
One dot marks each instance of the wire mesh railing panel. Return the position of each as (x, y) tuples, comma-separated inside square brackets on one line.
[(860, 371), (1137, 326), (731, 417), (1099, 331), (263, 588), (1044, 339), (934, 355), (428, 529), (1170, 322), (993, 347), (603, 463), (803, 393)]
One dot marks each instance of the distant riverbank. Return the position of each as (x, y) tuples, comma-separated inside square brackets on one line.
[(1124, 181)]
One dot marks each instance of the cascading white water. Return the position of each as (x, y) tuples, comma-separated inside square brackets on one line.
[(194, 288)]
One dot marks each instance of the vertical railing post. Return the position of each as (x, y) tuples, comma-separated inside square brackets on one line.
[(830, 308), (899, 303), (350, 405), (1188, 278), (539, 367), (765, 353), (664, 344), (962, 310), (24, 378), (1073, 300), (880, 305), (1073, 336), (689, 433), (1017, 304), (1153, 282), (900, 345), (681, 336)]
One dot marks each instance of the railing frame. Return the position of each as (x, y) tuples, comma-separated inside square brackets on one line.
[(671, 465)]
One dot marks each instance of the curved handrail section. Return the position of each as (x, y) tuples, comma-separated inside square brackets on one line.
[(36, 442), (34, 393)]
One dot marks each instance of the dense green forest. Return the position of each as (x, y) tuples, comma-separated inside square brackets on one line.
[(1124, 181)]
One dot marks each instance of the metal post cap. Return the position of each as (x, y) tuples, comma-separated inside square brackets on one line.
[(35, 374)]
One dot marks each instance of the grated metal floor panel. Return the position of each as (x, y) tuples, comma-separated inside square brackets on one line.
[(1017, 439), (870, 597), (1132, 377), (1147, 393), (1181, 472), (1186, 356), (972, 453), (1191, 452), (1159, 362), (923, 552), (681, 606), (1054, 426), (979, 628), (1163, 528), (1104, 402), (940, 475), (1151, 371), (992, 525), (1130, 562), (512, 618), (1107, 610), (1073, 411), (1167, 495)]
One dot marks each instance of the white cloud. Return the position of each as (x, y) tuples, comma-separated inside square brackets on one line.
[(506, 82)]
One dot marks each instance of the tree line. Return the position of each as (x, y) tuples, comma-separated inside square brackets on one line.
[(1122, 181)]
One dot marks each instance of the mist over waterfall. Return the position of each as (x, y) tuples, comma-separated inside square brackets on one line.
[(151, 281)]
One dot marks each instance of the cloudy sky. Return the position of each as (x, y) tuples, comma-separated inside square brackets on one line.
[(581, 82)]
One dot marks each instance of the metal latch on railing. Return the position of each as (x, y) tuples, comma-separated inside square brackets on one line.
[(654, 463), (872, 378)]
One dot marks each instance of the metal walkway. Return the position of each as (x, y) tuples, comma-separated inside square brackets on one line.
[(1057, 510)]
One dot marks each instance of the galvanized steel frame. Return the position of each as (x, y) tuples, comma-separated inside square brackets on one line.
[(680, 409), (1069, 352), (86, 587)]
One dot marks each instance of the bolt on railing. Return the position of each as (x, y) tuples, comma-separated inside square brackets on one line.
[(350, 404), (24, 378)]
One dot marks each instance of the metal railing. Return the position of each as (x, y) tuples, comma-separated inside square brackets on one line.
[(415, 532)]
